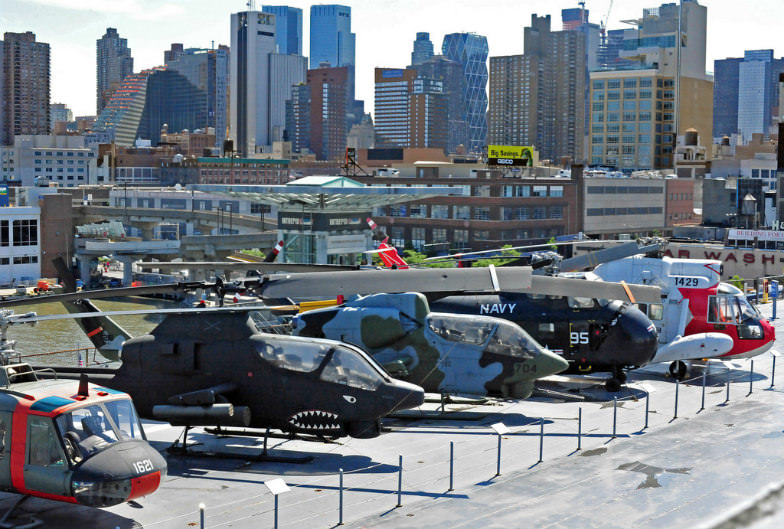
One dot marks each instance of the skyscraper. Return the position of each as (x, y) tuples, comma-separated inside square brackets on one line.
[(423, 49), (331, 39), (288, 28), (637, 113), (208, 71), (332, 43), (261, 82), (538, 98), (411, 110), (470, 50), (25, 103), (453, 82), (725, 96), (119, 120), (328, 129), (298, 118), (59, 112), (252, 42), (113, 64), (286, 71), (754, 93)]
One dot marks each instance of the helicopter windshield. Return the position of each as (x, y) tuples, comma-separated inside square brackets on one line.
[(510, 339), (747, 310), (294, 355), (460, 328), (93, 427), (348, 367)]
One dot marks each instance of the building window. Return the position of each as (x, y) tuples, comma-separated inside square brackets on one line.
[(173, 203), (539, 212), (418, 211), (439, 212), (439, 235), (5, 238), (481, 213), (556, 191), (460, 237), (556, 212), (418, 238), (397, 211), (462, 212), (25, 232), (540, 191), (481, 235)]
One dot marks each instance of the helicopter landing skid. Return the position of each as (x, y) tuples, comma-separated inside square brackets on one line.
[(264, 456), (33, 521)]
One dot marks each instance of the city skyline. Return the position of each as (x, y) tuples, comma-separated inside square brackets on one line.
[(384, 31)]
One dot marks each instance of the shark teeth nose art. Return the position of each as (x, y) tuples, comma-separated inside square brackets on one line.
[(315, 420)]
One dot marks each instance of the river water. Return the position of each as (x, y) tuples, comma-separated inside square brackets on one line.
[(65, 338)]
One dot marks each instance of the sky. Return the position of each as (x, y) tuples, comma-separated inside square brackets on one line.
[(385, 30)]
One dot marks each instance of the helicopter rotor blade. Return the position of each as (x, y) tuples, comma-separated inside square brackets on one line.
[(32, 317), (455, 280), (105, 293)]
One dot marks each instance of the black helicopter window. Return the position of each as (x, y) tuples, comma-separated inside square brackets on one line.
[(461, 328), (294, 355), (349, 368), (43, 447), (580, 303), (509, 339)]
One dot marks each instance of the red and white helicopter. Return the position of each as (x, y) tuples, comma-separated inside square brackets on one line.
[(700, 317)]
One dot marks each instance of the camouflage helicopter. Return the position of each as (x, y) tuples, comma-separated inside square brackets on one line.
[(444, 353)]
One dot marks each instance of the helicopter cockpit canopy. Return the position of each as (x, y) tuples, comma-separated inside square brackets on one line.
[(93, 427), (497, 336), (345, 365)]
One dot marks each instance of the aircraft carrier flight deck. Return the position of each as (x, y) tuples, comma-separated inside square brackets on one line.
[(661, 455)]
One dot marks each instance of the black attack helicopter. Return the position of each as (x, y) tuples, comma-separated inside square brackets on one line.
[(69, 441), (215, 367)]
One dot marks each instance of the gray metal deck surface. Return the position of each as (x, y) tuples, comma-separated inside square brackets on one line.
[(722, 467)]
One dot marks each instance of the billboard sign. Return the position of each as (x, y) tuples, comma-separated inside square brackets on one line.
[(510, 155)]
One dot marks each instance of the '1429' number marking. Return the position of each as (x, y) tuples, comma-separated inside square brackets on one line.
[(687, 281)]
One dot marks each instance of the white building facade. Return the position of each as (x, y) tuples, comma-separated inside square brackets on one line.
[(20, 248)]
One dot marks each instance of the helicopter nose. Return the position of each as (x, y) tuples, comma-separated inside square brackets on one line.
[(638, 336), (549, 363), (404, 396), (123, 471)]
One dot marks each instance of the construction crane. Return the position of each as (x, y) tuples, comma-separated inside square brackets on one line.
[(603, 25)]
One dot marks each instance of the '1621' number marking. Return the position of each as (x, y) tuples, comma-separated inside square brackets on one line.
[(143, 466)]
